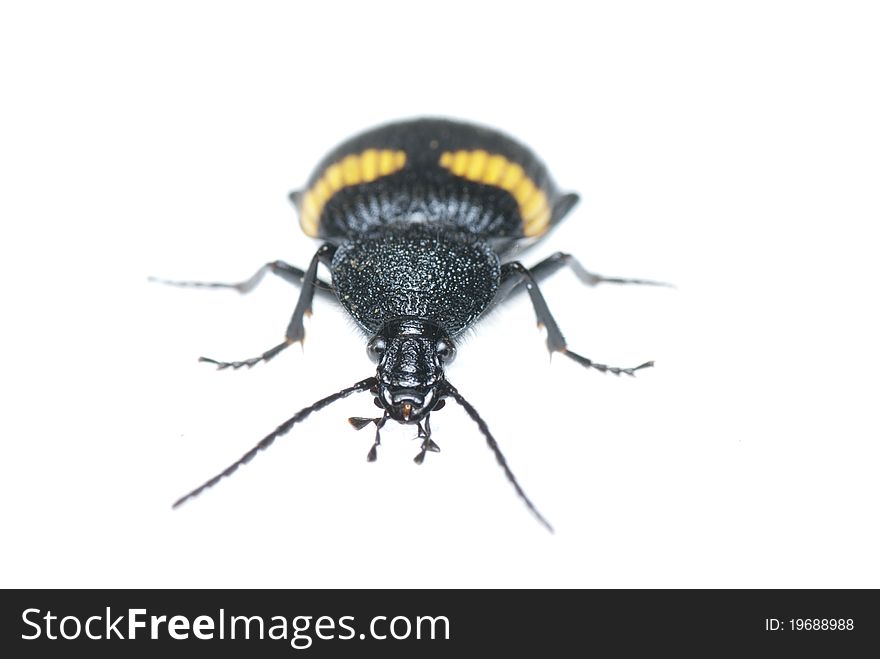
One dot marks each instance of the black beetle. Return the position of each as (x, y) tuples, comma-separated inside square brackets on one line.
[(416, 218)]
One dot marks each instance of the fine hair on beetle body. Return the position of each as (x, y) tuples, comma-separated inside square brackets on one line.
[(418, 222)]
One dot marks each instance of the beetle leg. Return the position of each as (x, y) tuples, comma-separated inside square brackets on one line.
[(295, 329), (289, 273), (516, 274), (556, 261), (559, 260)]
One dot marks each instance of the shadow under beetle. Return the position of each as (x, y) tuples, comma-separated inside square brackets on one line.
[(415, 219)]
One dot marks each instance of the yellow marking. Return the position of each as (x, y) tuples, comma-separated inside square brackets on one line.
[(530, 208), (511, 177), (496, 170), (353, 169), (523, 191), (476, 165), (370, 165), (333, 176), (386, 162), (309, 205), (322, 192), (537, 224), (460, 162)]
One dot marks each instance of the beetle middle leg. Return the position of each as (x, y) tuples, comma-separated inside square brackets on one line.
[(295, 329), (287, 272), (515, 274), (559, 260)]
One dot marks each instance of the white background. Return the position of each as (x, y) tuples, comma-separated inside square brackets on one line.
[(730, 148)]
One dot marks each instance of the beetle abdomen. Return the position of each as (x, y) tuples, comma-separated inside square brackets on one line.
[(455, 175)]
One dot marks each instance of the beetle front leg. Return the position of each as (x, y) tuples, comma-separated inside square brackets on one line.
[(555, 262), (514, 274), (295, 329), (287, 272)]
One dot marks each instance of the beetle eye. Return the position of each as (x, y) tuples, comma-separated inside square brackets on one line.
[(375, 348), (445, 351)]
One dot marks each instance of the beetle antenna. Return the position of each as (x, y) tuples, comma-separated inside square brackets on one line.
[(473, 414), (283, 429)]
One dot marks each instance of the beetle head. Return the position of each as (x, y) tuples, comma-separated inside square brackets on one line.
[(411, 354)]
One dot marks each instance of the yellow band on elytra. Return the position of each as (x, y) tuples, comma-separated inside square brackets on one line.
[(483, 167), (353, 169)]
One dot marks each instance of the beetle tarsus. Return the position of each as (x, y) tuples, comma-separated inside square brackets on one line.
[(250, 363), (617, 370)]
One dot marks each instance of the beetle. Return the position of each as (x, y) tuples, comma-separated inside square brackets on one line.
[(416, 220)]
